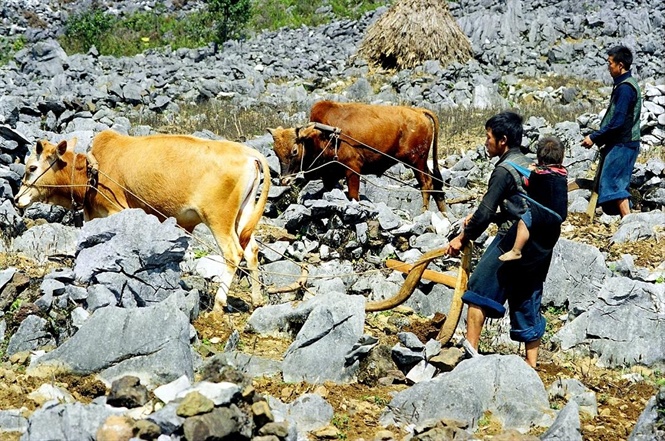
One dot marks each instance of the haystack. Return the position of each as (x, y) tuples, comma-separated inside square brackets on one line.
[(413, 31)]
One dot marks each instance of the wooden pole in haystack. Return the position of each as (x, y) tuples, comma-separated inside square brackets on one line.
[(413, 31)]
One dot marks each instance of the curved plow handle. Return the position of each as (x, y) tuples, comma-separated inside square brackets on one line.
[(410, 283), (453, 316)]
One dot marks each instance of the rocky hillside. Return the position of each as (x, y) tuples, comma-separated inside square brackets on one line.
[(108, 328)]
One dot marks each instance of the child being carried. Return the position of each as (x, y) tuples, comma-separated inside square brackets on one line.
[(547, 186)]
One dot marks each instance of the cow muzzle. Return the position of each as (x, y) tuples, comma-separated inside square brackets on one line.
[(25, 197)]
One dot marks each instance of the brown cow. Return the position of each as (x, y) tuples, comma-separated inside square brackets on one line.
[(372, 139), (193, 180)]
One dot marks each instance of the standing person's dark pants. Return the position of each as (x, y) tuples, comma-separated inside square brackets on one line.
[(494, 282)]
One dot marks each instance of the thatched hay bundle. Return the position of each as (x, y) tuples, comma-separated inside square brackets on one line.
[(413, 31)]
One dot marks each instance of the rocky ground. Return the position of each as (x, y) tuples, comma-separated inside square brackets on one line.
[(358, 406), (287, 71)]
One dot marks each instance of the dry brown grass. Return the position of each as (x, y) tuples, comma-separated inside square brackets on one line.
[(222, 118)]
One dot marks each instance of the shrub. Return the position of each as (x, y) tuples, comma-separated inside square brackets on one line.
[(220, 21), (136, 32), (230, 17), (84, 30), (354, 9)]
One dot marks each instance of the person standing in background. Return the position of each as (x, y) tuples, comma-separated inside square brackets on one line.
[(619, 133)]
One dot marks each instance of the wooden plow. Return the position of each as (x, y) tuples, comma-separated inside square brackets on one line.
[(419, 270)]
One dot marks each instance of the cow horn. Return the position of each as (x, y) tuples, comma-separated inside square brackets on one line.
[(306, 126)]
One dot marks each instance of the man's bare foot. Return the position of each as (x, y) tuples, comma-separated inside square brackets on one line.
[(511, 255)]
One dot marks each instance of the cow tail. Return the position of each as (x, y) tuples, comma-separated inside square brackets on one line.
[(437, 180), (260, 205)]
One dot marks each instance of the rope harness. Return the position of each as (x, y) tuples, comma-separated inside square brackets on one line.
[(93, 171), (335, 140)]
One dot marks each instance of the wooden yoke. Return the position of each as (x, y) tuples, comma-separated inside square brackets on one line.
[(455, 312), (417, 271), (412, 279)]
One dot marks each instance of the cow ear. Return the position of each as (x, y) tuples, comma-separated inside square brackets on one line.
[(61, 148), (271, 131), (39, 148)]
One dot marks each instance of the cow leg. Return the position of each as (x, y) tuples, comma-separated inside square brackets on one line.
[(330, 182), (251, 251), (438, 194), (353, 181), (229, 243), (426, 187), (226, 279), (440, 199), (252, 258)]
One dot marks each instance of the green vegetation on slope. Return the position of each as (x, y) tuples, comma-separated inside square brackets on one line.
[(9, 46), (222, 19)]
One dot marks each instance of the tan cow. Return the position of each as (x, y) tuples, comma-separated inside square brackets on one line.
[(193, 180), (371, 139)]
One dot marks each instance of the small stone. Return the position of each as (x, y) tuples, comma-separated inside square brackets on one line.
[(116, 428), (194, 403), (327, 432), (262, 414)]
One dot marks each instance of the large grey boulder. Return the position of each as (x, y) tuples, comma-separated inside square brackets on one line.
[(12, 420), (567, 426), (68, 422), (151, 343), (276, 319), (577, 274), (332, 328), (308, 412), (44, 59), (639, 226), (11, 224), (33, 333), (503, 385), (133, 255), (623, 326), (395, 195), (48, 240), (281, 273), (649, 425)]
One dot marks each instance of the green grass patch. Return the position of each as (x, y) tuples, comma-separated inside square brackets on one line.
[(9, 46), (275, 14), (135, 33)]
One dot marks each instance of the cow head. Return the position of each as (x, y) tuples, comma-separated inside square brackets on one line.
[(45, 169), (289, 148)]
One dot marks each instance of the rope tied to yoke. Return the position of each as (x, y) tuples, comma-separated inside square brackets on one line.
[(335, 140), (93, 171)]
